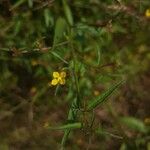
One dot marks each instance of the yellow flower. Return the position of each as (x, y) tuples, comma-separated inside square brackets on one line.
[(147, 13), (58, 78)]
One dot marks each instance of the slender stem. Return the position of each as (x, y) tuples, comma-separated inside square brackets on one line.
[(44, 49), (76, 101), (74, 70)]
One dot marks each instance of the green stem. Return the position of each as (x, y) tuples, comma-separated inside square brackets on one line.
[(74, 70), (72, 115)]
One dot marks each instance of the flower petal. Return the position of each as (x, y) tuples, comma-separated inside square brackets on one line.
[(62, 81), (63, 74), (147, 13), (54, 82), (55, 74)]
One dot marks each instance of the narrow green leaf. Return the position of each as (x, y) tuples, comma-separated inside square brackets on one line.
[(97, 48), (57, 89), (69, 126), (17, 27), (46, 17), (96, 101), (71, 116), (65, 137), (123, 146), (30, 3), (17, 4), (59, 30), (134, 124), (59, 57), (68, 12)]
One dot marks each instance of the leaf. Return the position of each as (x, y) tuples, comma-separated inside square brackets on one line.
[(68, 13), (123, 146), (17, 27), (98, 100), (57, 89), (97, 49), (71, 116), (69, 126), (48, 18), (59, 30), (65, 137), (134, 124), (59, 57), (17, 4), (30, 3)]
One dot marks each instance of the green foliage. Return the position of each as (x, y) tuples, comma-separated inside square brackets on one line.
[(96, 43), (70, 126), (67, 12), (59, 31), (98, 100), (17, 4), (134, 124)]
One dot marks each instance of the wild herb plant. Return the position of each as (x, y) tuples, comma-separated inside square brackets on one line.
[(59, 52)]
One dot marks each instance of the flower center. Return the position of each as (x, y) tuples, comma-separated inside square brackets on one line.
[(59, 78)]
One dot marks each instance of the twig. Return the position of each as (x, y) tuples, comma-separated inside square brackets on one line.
[(44, 49)]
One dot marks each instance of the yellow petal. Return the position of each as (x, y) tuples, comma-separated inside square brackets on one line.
[(55, 74), (63, 74), (147, 13), (54, 82), (62, 81)]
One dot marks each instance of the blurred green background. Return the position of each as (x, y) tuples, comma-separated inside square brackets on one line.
[(109, 41)]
